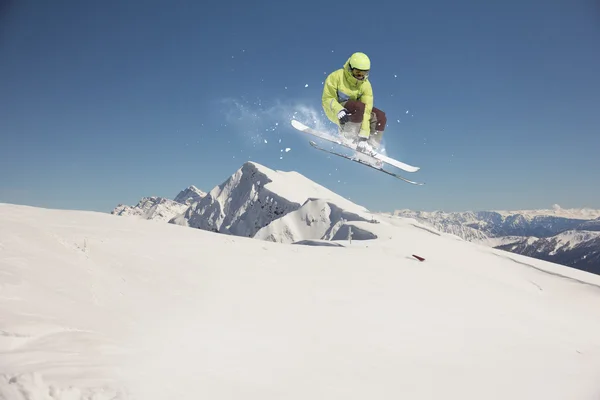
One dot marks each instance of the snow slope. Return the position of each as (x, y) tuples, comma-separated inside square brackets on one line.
[(93, 306)]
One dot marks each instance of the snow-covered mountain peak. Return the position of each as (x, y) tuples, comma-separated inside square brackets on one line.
[(190, 195), (297, 187), (253, 197), (573, 238), (154, 208), (555, 211), (523, 215)]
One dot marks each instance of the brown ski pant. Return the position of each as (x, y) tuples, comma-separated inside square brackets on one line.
[(378, 118)]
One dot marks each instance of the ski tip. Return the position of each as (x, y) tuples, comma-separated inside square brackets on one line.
[(298, 125)]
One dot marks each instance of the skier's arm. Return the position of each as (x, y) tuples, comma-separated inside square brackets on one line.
[(367, 99), (330, 97)]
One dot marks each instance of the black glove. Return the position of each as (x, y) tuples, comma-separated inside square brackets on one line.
[(343, 116)]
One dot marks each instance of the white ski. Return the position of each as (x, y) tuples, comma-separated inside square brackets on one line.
[(364, 160), (338, 140)]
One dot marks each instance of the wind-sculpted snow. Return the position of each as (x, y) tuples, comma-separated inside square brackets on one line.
[(33, 387), (154, 208), (316, 219), (318, 243), (349, 231), (255, 196)]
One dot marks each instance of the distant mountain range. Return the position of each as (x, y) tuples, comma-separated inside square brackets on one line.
[(287, 207), (261, 203), (565, 236), (160, 208)]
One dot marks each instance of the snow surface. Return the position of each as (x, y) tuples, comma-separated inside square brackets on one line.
[(94, 306)]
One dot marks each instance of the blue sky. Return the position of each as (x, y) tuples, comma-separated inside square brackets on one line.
[(106, 102)]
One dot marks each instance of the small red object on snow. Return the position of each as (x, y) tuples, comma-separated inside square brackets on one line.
[(418, 258)]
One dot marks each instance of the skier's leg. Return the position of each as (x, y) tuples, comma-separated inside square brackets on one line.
[(378, 122), (357, 109)]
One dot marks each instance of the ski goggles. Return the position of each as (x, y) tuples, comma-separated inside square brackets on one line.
[(359, 74)]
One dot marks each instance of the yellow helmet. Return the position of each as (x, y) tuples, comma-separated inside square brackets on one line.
[(360, 61)]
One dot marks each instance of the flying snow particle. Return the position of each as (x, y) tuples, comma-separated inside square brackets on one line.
[(306, 85), (266, 141), (395, 76), (398, 120), (406, 111), (287, 149)]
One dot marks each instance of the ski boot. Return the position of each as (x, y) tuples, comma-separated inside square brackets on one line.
[(365, 152), (349, 131)]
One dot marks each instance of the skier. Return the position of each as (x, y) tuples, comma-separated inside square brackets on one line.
[(348, 101)]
